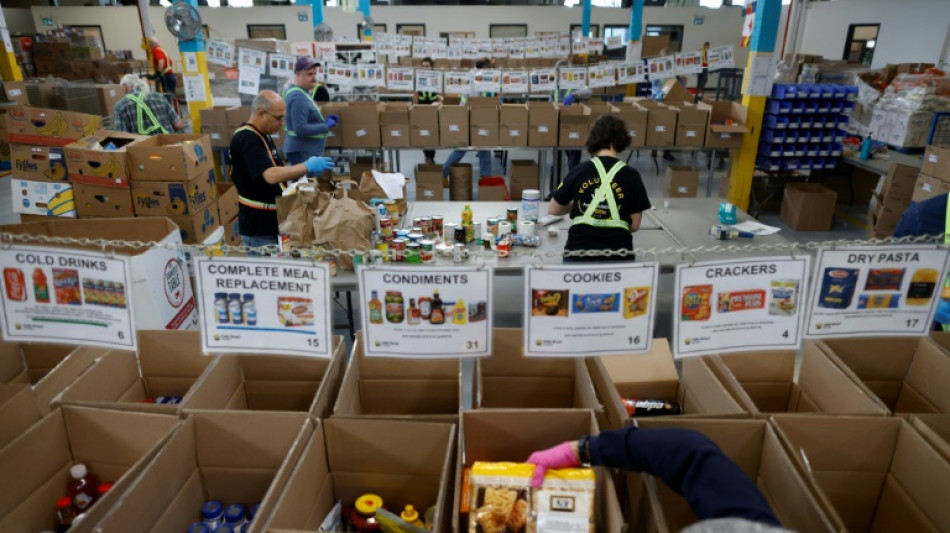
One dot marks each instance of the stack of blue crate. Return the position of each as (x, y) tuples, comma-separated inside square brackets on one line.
[(803, 126)]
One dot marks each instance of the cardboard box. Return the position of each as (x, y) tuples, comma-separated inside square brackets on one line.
[(359, 123), (542, 124), (513, 129), (674, 93), (680, 182), (173, 197), (492, 192), (899, 185), (335, 135), (524, 175), (764, 383), (661, 124), (83, 70), (103, 201), (227, 201), (483, 121), (88, 163), (808, 207), (16, 92), (429, 183), (394, 124), (936, 162), (653, 376), (936, 429), (195, 228), (399, 389), (168, 363), (163, 298), (755, 447), (341, 462), (214, 124), (38, 163), (235, 457), (271, 383), (232, 232), (891, 485), (424, 125), (526, 431), (909, 130), (635, 119), (928, 187), (113, 445), (52, 49), (172, 157), (359, 166), (908, 380), (727, 123), (453, 125), (691, 125), (574, 125), (19, 410), (109, 94), (43, 198), (48, 127)]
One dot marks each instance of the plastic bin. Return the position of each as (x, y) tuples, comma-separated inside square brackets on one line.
[(768, 163), (807, 121), (773, 136), (779, 107), (779, 122), (769, 150), (784, 91)]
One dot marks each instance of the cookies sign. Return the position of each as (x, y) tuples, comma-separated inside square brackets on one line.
[(581, 310), (739, 305)]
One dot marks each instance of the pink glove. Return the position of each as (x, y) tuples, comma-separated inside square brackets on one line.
[(560, 456)]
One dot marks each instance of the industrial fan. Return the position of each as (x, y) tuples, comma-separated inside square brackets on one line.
[(183, 21)]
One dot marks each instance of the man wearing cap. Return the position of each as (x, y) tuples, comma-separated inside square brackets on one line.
[(305, 127)]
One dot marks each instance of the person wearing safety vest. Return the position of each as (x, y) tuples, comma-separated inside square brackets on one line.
[(163, 67), (257, 170), (703, 76), (144, 112), (604, 196), (930, 217), (428, 98), (484, 156), (305, 127)]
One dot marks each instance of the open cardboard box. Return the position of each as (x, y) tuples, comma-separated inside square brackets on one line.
[(756, 449), (162, 294), (89, 162), (635, 119), (764, 383), (48, 127), (383, 387), (870, 474), (170, 157), (453, 124), (727, 123), (514, 434), (235, 457), (574, 125), (653, 376), (47, 368), (359, 125), (114, 445), (909, 375), (19, 410), (424, 125), (168, 363), (271, 383), (394, 124), (936, 429), (404, 462)]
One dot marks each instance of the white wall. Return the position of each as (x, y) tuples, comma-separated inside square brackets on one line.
[(19, 20), (911, 30)]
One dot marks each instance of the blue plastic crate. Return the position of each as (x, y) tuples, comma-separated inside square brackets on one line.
[(768, 163), (797, 107), (811, 150), (773, 136), (805, 163), (851, 93), (779, 122), (794, 122), (824, 150), (837, 106), (810, 106), (790, 163), (814, 91), (808, 121), (779, 107), (788, 150), (823, 106), (827, 90), (835, 150), (770, 150), (839, 91), (800, 150), (784, 91)]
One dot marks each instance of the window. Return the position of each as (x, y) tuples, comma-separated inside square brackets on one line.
[(377, 29), (859, 47), (267, 31), (674, 33), (508, 30), (594, 29), (613, 30), (94, 32)]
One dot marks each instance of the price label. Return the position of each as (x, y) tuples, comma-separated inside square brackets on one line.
[(740, 305), (67, 297), (426, 313), (876, 291), (264, 306), (576, 311)]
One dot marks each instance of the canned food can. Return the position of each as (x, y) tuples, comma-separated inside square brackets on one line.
[(374, 257), (493, 225), (416, 236), (385, 226), (436, 228), (426, 251), (16, 284), (402, 233), (458, 252), (503, 248), (382, 251), (426, 223), (416, 228), (416, 222), (448, 235), (413, 254), (398, 248)]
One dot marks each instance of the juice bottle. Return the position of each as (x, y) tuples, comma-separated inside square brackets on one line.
[(467, 215), (82, 488), (459, 315), (65, 512), (40, 287), (375, 309), (411, 517), (438, 314)]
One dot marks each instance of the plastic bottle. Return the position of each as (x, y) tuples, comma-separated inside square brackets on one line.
[(459, 314), (200, 527), (375, 309), (438, 314), (363, 516), (411, 517), (250, 310), (103, 489), (252, 512), (221, 307), (40, 286), (467, 214), (866, 148), (66, 513), (235, 309), (530, 204), (212, 513), (82, 488), (234, 516), (643, 408)]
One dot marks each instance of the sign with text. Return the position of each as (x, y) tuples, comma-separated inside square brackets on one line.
[(338, 73), (875, 291), (249, 80), (263, 306), (67, 296), (280, 65), (422, 313), (578, 311), (661, 68), (739, 305), (514, 81), (458, 82), (429, 81), (572, 78), (370, 75), (689, 63), (220, 53), (634, 72), (719, 57), (543, 80), (487, 80), (400, 78), (251, 58)]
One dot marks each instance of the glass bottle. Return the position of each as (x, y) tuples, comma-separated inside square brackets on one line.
[(82, 488), (65, 512), (413, 317), (438, 314)]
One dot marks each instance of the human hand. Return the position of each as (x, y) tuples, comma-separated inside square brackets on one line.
[(569, 99), (331, 120), (560, 456), (316, 165)]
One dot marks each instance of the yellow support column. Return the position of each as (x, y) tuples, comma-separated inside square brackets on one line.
[(9, 69), (200, 66)]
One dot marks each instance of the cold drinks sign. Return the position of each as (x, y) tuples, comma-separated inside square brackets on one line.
[(67, 296)]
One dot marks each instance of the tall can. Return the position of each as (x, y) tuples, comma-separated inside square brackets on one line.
[(16, 284)]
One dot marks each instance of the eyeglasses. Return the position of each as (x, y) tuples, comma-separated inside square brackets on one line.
[(278, 118)]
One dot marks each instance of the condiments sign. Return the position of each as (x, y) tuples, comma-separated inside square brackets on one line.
[(264, 306), (739, 305), (422, 313), (67, 296), (577, 311), (876, 291)]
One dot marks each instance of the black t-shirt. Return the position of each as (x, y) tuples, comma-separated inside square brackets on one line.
[(321, 94), (249, 160), (580, 185)]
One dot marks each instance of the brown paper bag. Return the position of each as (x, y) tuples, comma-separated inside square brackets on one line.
[(298, 222), (370, 189), (460, 182), (345, 223)]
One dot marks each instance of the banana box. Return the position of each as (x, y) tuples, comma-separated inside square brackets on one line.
[(173, 157), (49, 127), (232, 232), (38, 163), (43, 198), (102, 201), (102, 158), (195, 228), (227, 201), (173, 197)]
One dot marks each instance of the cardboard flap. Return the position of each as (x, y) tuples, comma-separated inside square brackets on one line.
[(171, 353), (19, 410), (308, 495), (250, 439), (110, 378), (929, 374), (704, 393), (387, 447), (219, 384), (833, 389)]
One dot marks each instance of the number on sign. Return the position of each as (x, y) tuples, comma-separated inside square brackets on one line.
[(471, 345), (912, 322), (785, 334), (633, 340), (313, 343)]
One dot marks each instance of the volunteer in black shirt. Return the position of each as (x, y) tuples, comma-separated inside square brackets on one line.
[(604, 196), (428, 98), (257, 170)]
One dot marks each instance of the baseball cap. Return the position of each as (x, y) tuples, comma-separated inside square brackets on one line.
[(304, 63)]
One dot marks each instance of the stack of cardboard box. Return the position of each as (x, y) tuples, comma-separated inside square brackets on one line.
[(100, 176), (891, 198), (808, 207), (934, 177)]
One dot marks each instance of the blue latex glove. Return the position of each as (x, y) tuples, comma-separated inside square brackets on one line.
[(331, 120), (316, 165), (569, 99), (943, 311)]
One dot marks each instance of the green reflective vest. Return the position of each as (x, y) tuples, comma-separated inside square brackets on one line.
[(604, 193)]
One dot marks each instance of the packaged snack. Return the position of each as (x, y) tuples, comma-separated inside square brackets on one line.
[(294, 311), (596, 303), (922, 285), (837, 287), (636, 301), (696, 304), (879, 301), (565, 502), (66, 286), (884, 279), (784, 297), (741, 300), (546, 302)]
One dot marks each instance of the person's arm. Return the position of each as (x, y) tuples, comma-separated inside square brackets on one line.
[(121, 124), (275, 175), (177, 124), (562, 201), (556, 208), (299, 111), (635, 219)]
